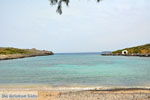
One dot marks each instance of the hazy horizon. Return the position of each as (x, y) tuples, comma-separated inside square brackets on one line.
[(78, 51), (84, 26)]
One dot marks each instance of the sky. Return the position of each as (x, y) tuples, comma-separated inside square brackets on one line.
[(84, 26)]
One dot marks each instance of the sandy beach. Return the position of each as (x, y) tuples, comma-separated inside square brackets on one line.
[(75, 93)]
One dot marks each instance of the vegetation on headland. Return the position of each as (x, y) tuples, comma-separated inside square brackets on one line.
[(14, 53), (6, 51), (142, 49)]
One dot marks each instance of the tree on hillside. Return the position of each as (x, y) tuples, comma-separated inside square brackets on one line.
[(59, 4)]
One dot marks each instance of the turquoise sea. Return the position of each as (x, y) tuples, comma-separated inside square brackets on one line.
[(83, 69)]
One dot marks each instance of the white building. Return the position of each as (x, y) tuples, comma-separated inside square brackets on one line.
[(124, 52)]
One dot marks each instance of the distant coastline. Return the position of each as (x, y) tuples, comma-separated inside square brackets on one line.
[(141, 51), (15, 53)]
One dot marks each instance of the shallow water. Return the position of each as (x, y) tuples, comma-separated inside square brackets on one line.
[(77, 69)]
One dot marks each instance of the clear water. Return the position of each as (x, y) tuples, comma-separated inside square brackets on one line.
[(77, 69)]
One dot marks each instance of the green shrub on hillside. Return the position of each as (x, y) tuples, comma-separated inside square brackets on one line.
[(13, 51)]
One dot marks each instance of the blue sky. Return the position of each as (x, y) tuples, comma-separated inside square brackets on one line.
[(84, 26)]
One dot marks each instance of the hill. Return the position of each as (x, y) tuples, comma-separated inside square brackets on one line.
[(14, 53), (142, 49)]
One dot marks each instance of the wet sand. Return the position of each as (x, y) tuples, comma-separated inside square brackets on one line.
[(75, 93)]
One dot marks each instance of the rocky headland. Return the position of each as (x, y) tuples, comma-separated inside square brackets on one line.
[(15, 53), (141, 51)]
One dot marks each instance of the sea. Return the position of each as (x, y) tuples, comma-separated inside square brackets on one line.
[(77, 69)]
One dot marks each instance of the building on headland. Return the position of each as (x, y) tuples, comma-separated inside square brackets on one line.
[(141, 51), (124, 52)]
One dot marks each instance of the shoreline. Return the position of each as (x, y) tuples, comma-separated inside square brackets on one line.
[(19, 56), (128, 55), (72, 88), (74, 93)]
